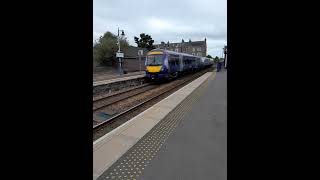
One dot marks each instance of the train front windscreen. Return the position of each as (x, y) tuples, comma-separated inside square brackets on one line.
[(154, 60)]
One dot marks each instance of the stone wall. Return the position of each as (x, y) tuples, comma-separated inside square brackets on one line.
[(132, 64)]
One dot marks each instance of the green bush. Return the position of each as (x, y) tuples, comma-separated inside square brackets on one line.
[(104, 51)]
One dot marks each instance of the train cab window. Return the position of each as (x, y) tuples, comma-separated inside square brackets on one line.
[(154, 60)]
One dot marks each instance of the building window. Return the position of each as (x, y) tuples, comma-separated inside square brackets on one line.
[(199, 49), (177, 50), (193, 49)]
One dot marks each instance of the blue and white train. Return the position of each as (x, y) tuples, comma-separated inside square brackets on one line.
[(164, 64)]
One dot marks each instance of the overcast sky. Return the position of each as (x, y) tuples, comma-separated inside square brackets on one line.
[(164, 20)]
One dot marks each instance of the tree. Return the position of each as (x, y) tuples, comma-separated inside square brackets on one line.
[(145, 41), (216, 59), (104, 51), (209, 56)]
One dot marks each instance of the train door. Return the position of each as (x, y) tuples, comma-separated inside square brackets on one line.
[(177, 60), (193, 65), (180, 63), (172, 64), (169, 63), (184, 63), (197, 63)]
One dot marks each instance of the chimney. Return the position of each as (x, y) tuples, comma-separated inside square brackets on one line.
[(189, 40), (205, 39), (182, 40)]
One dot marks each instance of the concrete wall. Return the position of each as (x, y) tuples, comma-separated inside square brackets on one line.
[(117, 86)]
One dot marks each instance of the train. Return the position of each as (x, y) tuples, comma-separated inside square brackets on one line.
[(164, 64)]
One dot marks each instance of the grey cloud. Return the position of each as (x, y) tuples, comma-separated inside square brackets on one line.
[(164, 20)]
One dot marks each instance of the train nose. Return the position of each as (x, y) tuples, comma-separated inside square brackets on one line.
[(153, 69)]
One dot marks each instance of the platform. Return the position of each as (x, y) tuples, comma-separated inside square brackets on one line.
[(181, 137), (117, 78)]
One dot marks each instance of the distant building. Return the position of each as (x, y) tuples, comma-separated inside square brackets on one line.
[(131, 60), (131, 52), (197, 48)]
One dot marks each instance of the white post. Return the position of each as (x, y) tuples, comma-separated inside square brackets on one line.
[(140, 53), (118, 41), (140, 61), (119, 60)]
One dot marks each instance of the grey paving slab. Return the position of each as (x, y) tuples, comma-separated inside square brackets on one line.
[(197, 149), (113, 145), (189, 143)]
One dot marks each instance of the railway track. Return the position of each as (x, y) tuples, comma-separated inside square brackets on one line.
[(177, 84), (102, 102)]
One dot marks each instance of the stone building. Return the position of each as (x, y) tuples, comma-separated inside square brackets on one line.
[(131, 60), (197, 48)]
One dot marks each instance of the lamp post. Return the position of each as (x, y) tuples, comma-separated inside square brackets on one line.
[(119, 54), (225, 56), (140, 53)]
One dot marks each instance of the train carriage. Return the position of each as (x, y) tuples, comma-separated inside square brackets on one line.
[(164, 64)]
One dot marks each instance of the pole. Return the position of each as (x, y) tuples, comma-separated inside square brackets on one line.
[(118, 41), (140, 61), (225, 57), (119, 60)]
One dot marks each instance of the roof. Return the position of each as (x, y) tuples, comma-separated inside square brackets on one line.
[(193, 43), (197, 43), (173, 52)]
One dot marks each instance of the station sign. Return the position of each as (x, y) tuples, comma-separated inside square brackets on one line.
[(121, 55), (140, 52)]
